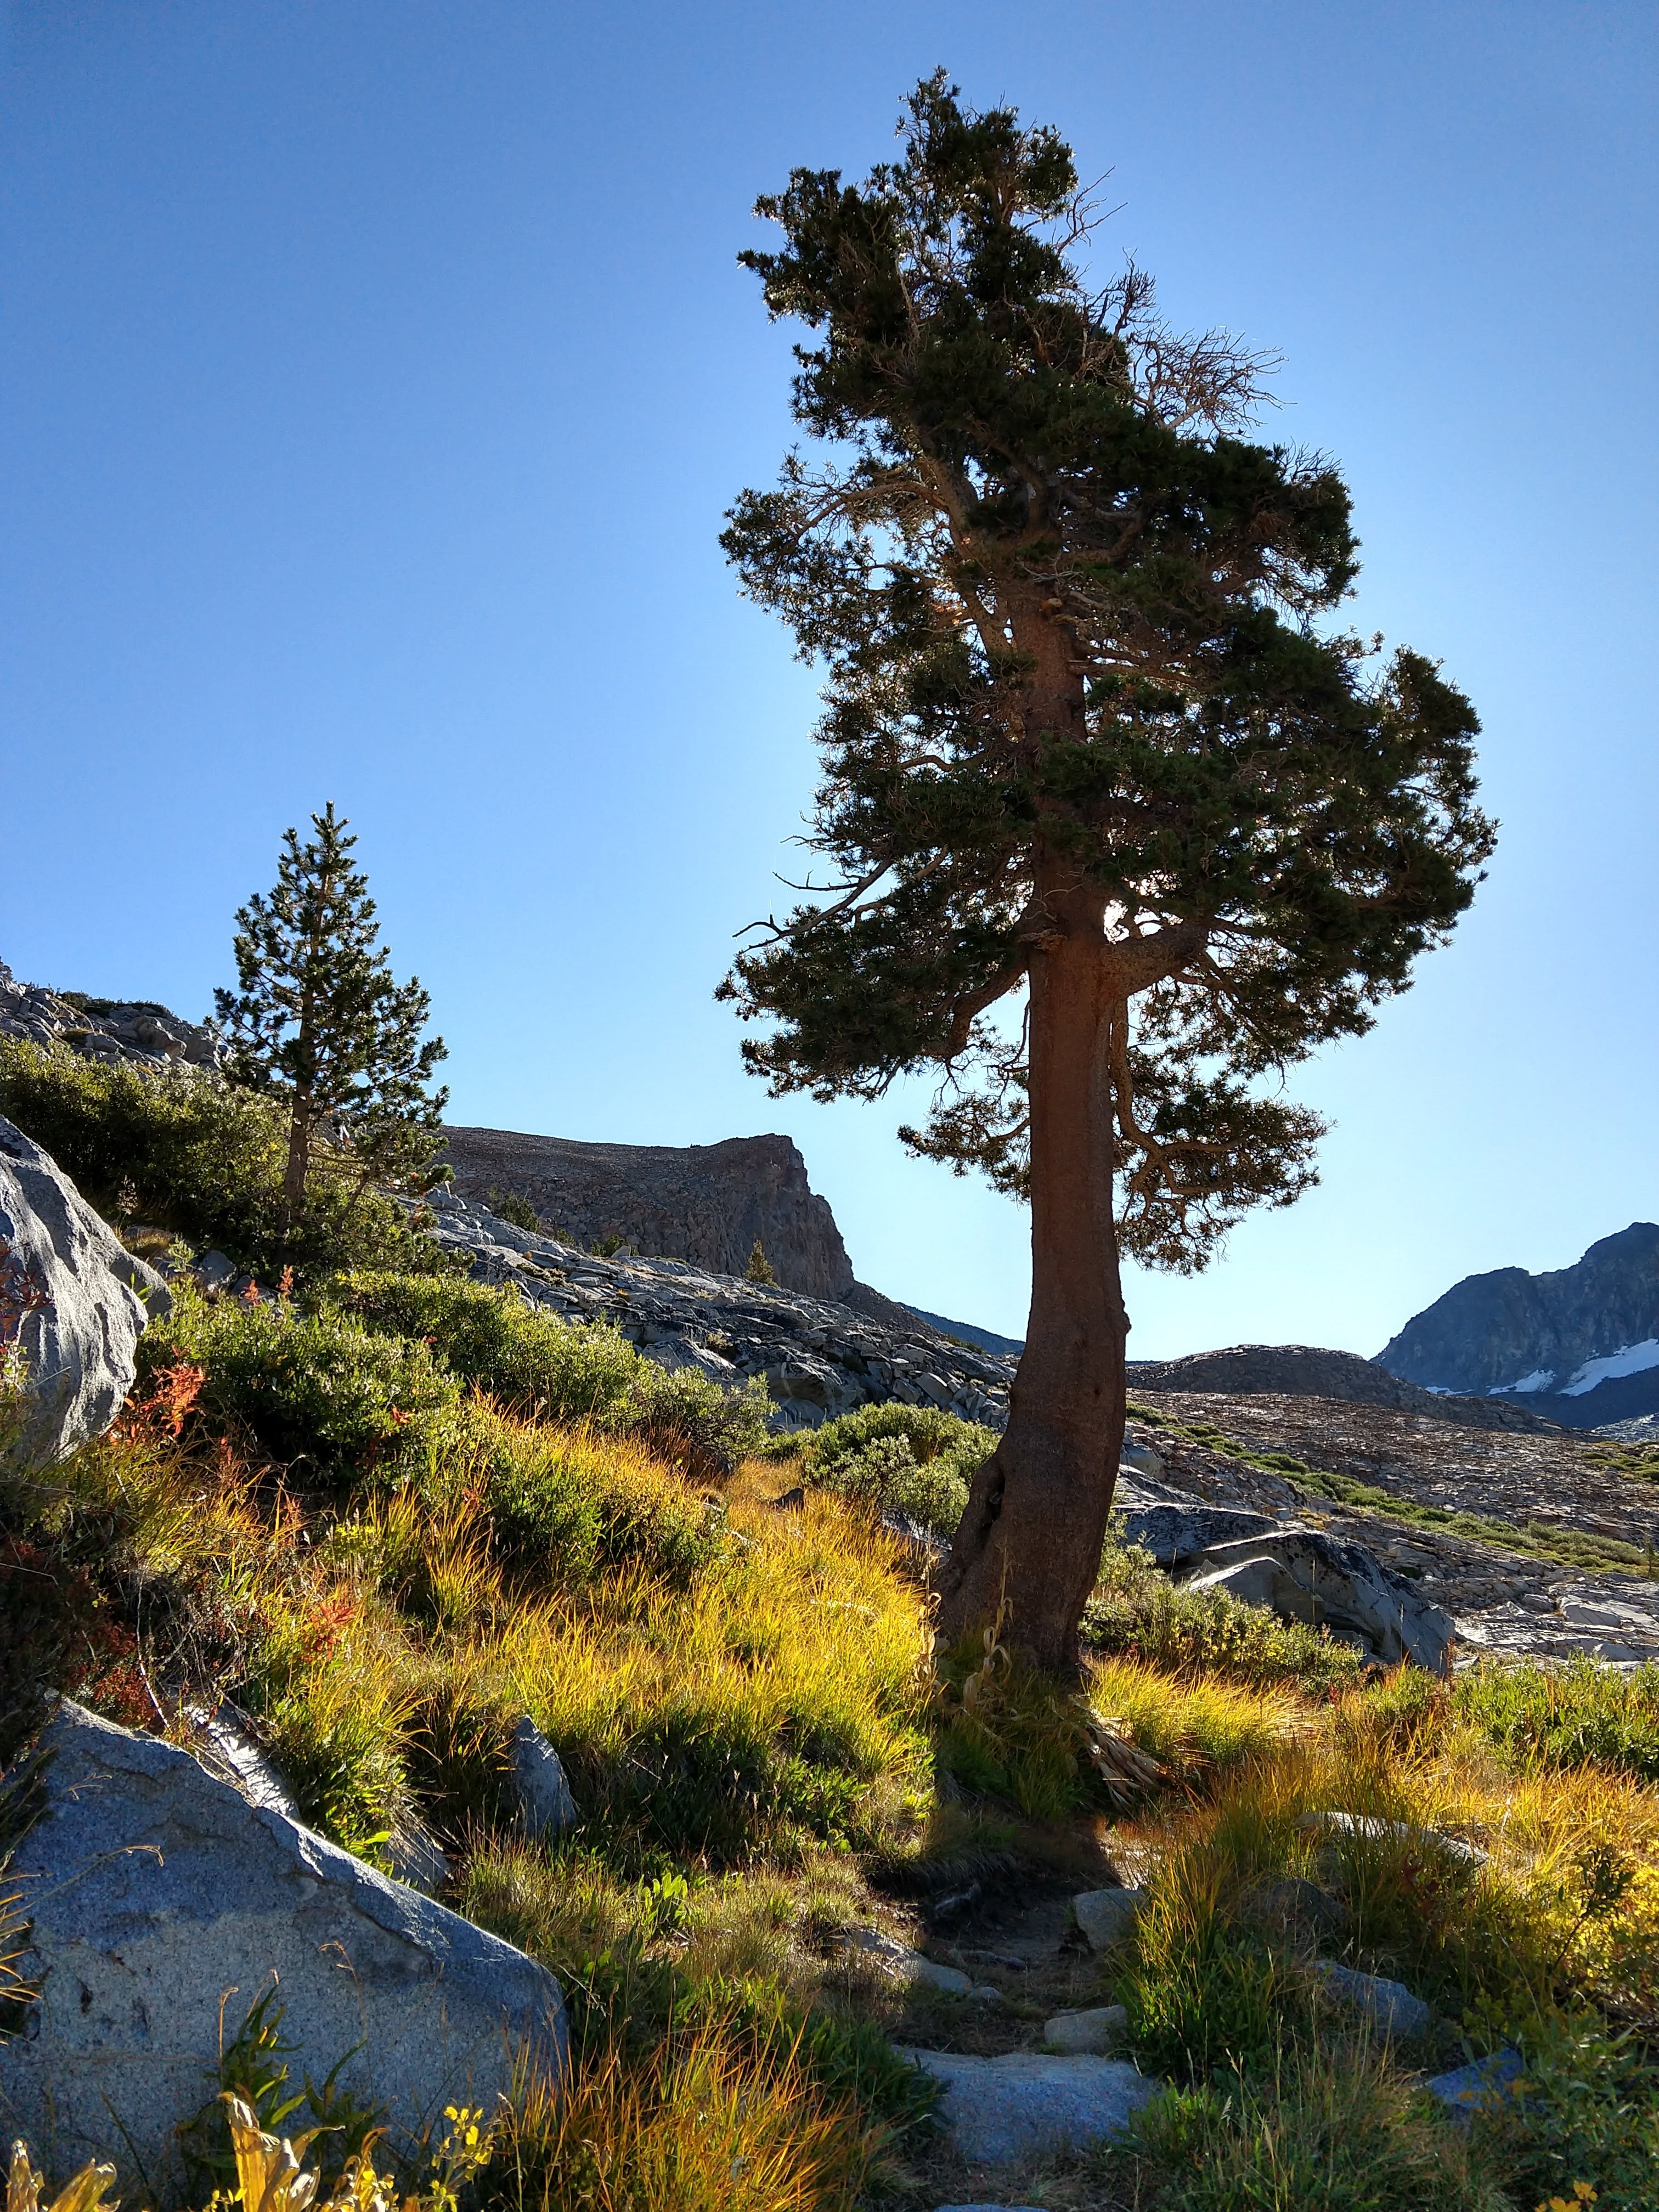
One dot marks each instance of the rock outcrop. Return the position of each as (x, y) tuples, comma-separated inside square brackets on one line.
[(1579, 1344), (705, 1204), (105, 1029), (73, 1303), (818, 1358), (1305, 1575), (1305, 1370), (155, 1888)]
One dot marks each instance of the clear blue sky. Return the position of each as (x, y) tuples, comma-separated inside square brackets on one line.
[(375, 374)]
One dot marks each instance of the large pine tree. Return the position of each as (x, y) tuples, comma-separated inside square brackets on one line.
[(319, 1022), (1122, 821)]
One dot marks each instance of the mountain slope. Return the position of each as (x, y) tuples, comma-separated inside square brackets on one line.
[(1579, 1344)]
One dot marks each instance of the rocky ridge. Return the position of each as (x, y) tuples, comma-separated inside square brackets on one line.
[(105, 1029), (1305, 1370), (1501, 1600)]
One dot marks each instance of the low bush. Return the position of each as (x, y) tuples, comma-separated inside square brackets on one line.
[(1136, 1612), (334, 1702), (185, 1150), (916, 1461), (568, 1508), (318, 1390), (1584, 2117), (545, 1369)]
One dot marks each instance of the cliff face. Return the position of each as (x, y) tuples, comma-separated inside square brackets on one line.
[(703, 1203), (1581, 1344)]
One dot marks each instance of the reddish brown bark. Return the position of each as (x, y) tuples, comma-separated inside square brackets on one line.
[(1028, 1548)]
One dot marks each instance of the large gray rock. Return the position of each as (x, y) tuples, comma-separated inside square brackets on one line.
[(1481, 2086), (72, 1299), (1305, 1575), (1024, 2103), (1175, 1534), (1100, 2029), (155, 1888)]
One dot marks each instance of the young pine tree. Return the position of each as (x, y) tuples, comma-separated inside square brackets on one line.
[(1095, 757), (320, 1022)]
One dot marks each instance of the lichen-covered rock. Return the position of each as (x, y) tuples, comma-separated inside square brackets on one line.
[(1098, 2030), (154, 1888), (1388, 2006), (73, 1303)]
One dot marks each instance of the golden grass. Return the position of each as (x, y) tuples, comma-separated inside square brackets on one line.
[(1194, 1728), (698, 2127)]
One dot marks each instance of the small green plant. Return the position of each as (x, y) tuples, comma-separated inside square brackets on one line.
[(320, 1391), (254, 2071), (760, 1268), (511, 1207), (1583, 2116)]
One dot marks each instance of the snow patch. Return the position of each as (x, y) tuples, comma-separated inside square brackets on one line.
[(1630, 1360), (1540, 1379)]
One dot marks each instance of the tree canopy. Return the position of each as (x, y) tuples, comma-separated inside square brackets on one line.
[(1090, 714)]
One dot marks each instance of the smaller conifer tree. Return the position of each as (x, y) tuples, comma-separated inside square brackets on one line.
[(760, 1268), (320, 1023)]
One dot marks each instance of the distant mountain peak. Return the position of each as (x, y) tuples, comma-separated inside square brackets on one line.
[(1579, 1343)]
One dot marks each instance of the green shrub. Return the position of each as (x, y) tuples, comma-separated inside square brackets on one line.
[(317, 1390), (917, 1461), (185, 1150), (333, 1708), (1136, 1612), (1582, 1715), (509, 1206), (545, 1369), (1207, 1990)]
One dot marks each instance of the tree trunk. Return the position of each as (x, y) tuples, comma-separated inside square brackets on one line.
[(1028, 1548), (299, 1162)]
